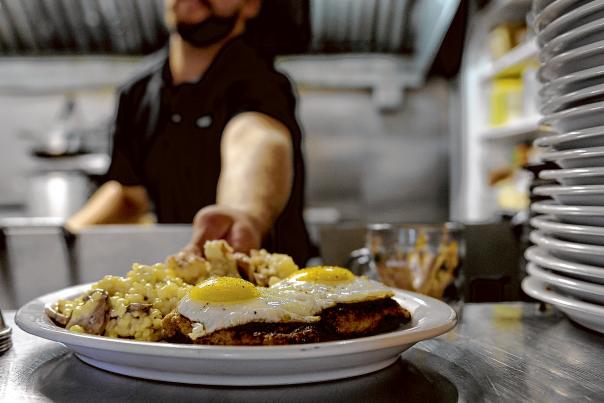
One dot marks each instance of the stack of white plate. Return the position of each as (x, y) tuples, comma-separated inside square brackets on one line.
[(566, 265)]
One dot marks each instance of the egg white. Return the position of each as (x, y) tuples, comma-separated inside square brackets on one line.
[(328, 294), (290, 300), (271, 306)]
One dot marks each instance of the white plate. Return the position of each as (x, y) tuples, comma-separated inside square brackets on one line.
[(240, 365), (539, 5), (592, 137), (581, 215), (574, 38), (569, 232), (579, 289), (589, 195), (585, 272), (584, 313), (553, 11), (579, 117), (573, 251), (580, 97), (556, 21), (577, 158), (576, 176), (573, 82), (581, 58)]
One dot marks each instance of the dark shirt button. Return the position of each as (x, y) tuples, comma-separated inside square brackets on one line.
[(176, 118)]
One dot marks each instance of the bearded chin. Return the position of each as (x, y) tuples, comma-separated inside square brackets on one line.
[(207, 32)]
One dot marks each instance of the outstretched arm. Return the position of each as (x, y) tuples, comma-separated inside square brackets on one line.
[(112, 203), (254, 185)]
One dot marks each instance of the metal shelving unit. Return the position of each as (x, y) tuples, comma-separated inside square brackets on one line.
[(517, 55), (481, 144), (521, 129)]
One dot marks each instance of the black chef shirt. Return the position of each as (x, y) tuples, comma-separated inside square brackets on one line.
[(167, 137)]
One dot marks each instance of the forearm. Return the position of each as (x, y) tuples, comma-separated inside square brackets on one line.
[(112, 203), (257, 168)]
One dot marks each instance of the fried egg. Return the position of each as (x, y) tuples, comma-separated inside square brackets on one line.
[(329, 286), (224, 302)]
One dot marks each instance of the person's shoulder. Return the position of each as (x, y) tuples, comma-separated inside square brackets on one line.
[(255, 65), (145, 70), (256, 77)]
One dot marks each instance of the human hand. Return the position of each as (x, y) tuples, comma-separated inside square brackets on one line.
[(239, 228)]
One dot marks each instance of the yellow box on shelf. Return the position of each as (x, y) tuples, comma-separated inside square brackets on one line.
[(517, 69), (506, 100)]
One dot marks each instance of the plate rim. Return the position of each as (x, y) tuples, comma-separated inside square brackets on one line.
[(266, 353), (542, 257), (566, 209), (542, 32), (539, 23), (537, 9), (592, 26), (558, 103), (551, 140), (572, 173), (548, 223), (577, 110), (559, 190), (545, 71), (564, 282), (553, 87), (536, 289), (574, 153), (545, 241)]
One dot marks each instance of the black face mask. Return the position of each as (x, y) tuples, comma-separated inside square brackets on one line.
[(208, 31)]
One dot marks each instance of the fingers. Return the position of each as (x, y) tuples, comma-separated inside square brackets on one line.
[(209, 223), (243, 236), (220, 222)]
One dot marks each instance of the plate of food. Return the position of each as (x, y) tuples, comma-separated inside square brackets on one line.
[(223, 318)]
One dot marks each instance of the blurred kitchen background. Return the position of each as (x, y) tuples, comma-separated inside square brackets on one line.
[(64, 59), (390, 104)]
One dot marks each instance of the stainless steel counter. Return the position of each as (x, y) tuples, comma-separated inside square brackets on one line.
[(498, 352)]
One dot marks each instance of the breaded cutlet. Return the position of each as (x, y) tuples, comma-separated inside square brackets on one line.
[(176, 328), (343, 321), (359, 319)]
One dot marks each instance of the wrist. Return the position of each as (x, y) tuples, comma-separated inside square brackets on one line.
[(262, 221)]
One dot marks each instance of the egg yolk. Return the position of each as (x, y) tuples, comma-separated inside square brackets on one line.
[(323, 275), (224, 289)]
